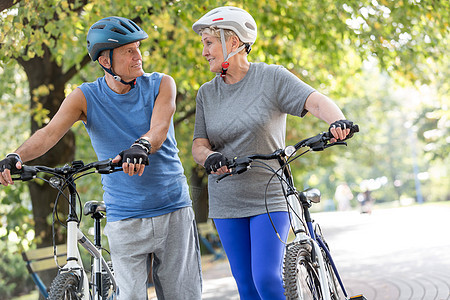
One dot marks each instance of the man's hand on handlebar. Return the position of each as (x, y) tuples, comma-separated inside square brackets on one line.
[(11, 162), (133, 160), (340, 130)]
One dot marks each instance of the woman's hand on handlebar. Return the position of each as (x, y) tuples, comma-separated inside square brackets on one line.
[(221, 171), (340, 130), (216, 163)]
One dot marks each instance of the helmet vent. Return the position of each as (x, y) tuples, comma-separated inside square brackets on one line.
[(135, 26), (212, 13), (101, 26), (127, 27), (118, 31), (249, 26)]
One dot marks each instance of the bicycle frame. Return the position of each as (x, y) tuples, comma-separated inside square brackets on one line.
[(74, 263), (300, 206), (65, 177)]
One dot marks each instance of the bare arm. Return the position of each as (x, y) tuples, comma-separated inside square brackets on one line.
[(325, 109), (201, 149), (71, 110), (162, 114)]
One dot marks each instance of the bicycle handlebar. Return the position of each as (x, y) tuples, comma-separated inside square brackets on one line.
[(102, 167), (316, 143)]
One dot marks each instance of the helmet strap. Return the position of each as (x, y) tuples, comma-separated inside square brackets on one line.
[(226, 56), (248, 48), (115, 76)]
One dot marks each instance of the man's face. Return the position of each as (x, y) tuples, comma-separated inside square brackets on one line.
[(127, 61)]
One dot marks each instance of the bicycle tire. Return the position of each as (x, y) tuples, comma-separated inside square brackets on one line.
[(65, 286), (106, 286), (107, 292), (300, 278)]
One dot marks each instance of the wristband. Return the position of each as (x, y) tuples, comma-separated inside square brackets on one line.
[(144, 144), (16, 155), (211, 154)]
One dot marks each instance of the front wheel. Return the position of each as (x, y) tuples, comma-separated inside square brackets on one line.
[(65, 287), (301, 281)]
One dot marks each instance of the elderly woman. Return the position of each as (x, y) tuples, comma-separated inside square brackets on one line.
[(242, 111)]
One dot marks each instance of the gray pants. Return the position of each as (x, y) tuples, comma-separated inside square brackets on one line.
[(173, 240)]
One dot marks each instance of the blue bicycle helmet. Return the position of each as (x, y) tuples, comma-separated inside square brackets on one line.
[(110, 33)]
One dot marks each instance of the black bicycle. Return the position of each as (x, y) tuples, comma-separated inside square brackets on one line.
[(309, 272), (72, 281)]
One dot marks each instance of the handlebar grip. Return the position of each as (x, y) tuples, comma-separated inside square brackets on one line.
[(107, 166), (26, 173), (355, 128)]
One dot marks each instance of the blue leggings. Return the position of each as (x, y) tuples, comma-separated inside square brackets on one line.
[(255, 253)]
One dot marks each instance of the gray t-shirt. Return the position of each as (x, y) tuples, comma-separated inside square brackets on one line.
[(245, 118)]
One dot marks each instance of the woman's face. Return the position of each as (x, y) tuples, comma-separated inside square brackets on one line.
[(212, 51)]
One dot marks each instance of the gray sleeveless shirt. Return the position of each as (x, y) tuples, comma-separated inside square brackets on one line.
[(245, 118)]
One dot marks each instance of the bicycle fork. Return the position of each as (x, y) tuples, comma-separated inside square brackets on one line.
[(301, 236), (74, 263), (324, 247)]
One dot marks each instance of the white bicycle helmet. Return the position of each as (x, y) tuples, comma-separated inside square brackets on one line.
[(231, 18)]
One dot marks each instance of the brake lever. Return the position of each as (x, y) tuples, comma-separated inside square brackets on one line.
[(107, 167), (238, 165), (223, 176), (342, 143), (339, 143)]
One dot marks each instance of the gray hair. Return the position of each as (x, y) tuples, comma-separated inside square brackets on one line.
[(215, 32)]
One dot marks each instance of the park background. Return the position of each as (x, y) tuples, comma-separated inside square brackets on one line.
[(384, 62)]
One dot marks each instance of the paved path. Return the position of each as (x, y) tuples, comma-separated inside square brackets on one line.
[(400, 253)]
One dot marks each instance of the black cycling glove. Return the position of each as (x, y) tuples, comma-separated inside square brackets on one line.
[(215, 161), (135, 155), (343, 124), (10, 162)]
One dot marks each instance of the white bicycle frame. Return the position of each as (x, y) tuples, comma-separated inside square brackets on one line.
[(302, 236), (65, 179), (75, 264)]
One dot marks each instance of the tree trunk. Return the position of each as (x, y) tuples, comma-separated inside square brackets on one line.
[(5, 4), (44, 71), (199, 189)]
